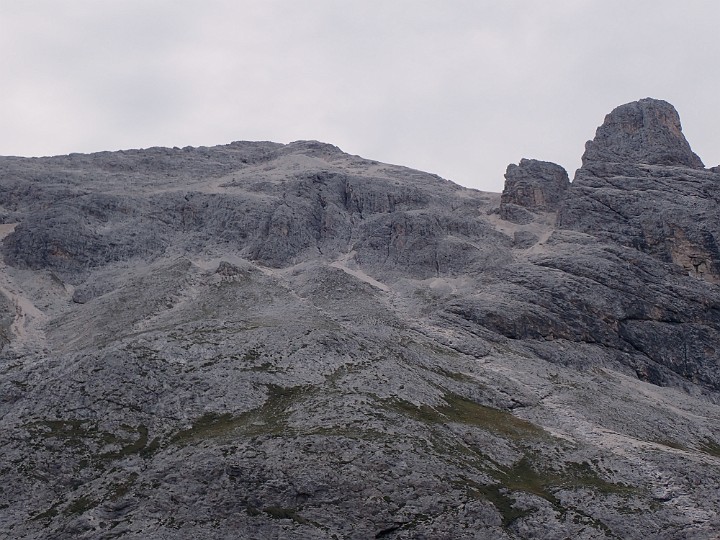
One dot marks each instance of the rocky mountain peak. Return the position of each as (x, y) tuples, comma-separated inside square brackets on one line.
[(645, 131)]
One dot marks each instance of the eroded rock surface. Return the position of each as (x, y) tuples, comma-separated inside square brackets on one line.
[(285, 341), (655, 197), (530, 186), (645, 132)]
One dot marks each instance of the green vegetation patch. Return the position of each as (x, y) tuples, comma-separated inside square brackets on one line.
[(464, 411), (47, 514), (270, 418), (670, 444), (85, 435), (527, 475), (500, 499), (81, 505), (134, 447), (74, 432), (582, 475), (523, 476), (278, 512), (209, 425), (709, 446)]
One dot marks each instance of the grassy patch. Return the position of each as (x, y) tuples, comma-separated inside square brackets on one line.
[(278, 512), (524, 477), (269, 418), (709, 446), (134, 447), (670, 444), (582, 475), (74, 432), (47, 514), (464, 411), (208, 425), (150, 449), (500, 499), (81, 505), (85, 435)]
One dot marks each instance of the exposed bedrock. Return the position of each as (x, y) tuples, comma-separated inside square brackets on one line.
[(532, 185), (265, 341), (647, 131), (642, 186)]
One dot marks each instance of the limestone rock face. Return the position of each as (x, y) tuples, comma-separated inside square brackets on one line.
[(667, 210), (535, 185), (642, 186), (260, 341), (646, 131)]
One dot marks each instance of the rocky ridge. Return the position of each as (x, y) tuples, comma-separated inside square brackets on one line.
[(260, 340)]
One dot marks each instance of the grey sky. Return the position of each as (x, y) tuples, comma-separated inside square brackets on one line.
[(460, 88)]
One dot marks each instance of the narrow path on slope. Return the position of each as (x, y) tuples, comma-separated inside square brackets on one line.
[(342, 264)]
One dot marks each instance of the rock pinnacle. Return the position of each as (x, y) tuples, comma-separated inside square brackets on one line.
[(646, 131)]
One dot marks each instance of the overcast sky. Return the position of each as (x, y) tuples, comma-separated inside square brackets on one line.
[(460, 88)]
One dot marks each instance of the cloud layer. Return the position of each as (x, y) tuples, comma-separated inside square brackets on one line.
[(460, 88)]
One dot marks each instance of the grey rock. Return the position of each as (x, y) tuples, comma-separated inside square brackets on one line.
[(516, 214), (647, 131), (524, 239), (655, 198), (7, 317), (535, 185), (285, 341), (668, 213)]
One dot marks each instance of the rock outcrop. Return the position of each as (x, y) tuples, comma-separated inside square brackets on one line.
[(532, 186), (285, 341), (642, 132), (642, 186), (666, 214)]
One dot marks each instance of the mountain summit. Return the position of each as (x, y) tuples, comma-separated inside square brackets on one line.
[(260, 340), (645, 131)]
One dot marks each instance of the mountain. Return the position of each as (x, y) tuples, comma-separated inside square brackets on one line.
[(261, 340)]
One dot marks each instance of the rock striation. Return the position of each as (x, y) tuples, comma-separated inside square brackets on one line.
[(666, 215), (664, 206), (260, 340)]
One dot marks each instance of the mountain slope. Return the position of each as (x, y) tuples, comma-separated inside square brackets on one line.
[(262, 340)]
